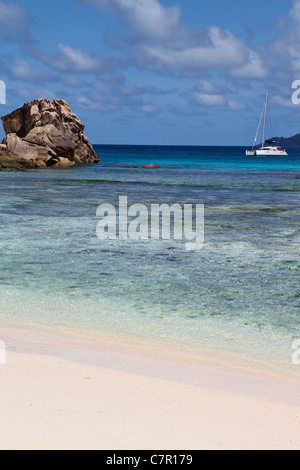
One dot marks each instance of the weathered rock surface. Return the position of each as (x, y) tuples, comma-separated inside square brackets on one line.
[(147, 167), (42, 134), (11, 161), (150, 167)]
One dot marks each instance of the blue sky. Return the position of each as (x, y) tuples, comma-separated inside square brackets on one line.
[(182, 72)]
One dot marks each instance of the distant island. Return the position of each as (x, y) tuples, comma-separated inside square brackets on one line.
[(293, 141)]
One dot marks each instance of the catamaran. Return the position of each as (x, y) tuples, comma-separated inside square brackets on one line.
[(268, 147)]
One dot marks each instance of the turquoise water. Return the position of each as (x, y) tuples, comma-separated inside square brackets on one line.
[(240, 292)]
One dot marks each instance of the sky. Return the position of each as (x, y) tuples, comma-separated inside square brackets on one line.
[(160, 72)]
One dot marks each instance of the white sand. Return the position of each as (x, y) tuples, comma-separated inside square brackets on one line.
[(69, 392)]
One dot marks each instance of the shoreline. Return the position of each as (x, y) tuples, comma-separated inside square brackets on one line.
[(184, 363), (65, 390)]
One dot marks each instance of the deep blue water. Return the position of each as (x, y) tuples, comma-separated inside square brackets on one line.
[(240, 292)]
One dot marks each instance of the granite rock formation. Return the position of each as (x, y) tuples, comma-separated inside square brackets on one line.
[(42, 134)]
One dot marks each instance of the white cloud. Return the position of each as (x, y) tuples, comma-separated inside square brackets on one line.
[(147, 19), (147, 109), (12, 16), (295, 12), (128, 89), (112, 97), (235, 105), (76, 60), (214, 50), (215, 101), (161, 41), (253, 68), (213, 95), (71, 80), (211, 100), (286, 49), (204, 86), (281, 101), (72, 60), (98, 103), (21, 70)]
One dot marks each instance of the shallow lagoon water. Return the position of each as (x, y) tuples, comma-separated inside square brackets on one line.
[(240, 292)]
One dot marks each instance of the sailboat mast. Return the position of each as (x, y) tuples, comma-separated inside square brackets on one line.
[(270, 149), (265, 116)]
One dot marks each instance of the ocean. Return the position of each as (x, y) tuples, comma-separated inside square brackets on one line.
[(239, 293)]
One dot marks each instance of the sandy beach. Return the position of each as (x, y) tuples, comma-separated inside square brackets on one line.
[(149, 211), (71, 391)]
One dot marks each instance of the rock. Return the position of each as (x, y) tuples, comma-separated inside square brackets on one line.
[(150, 167), (19, 147), (64, 162), (26, 150), (11, 161), (47, 134)]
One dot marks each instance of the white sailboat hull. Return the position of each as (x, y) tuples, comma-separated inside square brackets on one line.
[(268, 151)]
